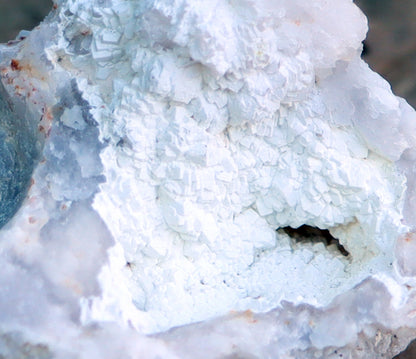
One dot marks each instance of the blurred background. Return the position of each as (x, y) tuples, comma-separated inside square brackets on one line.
[(390, 48), (391, 43), (16, 15)]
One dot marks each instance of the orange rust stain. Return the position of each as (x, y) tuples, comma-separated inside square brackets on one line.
[(32, 182), (297, 22), (55, 6), (49, 115), (408, 237), (249, 316), (15, 65), (27, 67), (248, 313), (32, 220)]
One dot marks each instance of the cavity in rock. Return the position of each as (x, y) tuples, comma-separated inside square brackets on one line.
[(313, 234)]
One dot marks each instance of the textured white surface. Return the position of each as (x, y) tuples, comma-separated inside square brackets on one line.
[(178, 137), (223, 144)]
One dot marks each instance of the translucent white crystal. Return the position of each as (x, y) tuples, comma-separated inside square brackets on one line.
[(181, 138)]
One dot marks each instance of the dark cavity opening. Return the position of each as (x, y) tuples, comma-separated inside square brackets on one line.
[(307, 233)]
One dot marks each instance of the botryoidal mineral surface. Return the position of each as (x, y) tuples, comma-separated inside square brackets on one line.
[(204, 179)]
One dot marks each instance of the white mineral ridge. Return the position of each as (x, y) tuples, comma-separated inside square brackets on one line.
[(179, 138)]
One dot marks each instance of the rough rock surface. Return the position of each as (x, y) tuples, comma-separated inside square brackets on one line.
[(181, 145)]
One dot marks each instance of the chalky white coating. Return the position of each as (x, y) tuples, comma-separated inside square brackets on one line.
[(179, 136), (220, 135)]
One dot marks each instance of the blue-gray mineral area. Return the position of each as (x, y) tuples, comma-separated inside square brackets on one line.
[(17, 157)]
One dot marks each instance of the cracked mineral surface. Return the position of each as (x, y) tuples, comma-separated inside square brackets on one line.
[(229, 167)]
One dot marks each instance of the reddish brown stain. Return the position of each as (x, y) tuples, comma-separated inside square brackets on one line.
[(248, 315), (15, 65), (48, 114), (32, 182)]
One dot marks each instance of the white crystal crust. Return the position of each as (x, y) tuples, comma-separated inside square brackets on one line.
[(180, 138), (226, 144)]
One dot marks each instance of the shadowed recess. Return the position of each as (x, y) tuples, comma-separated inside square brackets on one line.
[(307, 233)]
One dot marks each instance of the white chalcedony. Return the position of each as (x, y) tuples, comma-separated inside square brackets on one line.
[(186, 142)]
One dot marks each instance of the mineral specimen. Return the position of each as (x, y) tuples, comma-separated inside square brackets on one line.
[(231, 163)]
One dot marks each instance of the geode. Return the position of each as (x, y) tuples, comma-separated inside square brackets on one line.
[(214, 179)]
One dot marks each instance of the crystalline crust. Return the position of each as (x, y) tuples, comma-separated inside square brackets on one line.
[(178, 139)]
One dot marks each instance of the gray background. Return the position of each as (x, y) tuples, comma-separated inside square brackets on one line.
[(16, 15), (390, 46), (391, 43)]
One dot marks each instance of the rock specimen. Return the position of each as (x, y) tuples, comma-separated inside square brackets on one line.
[(230, 168)]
